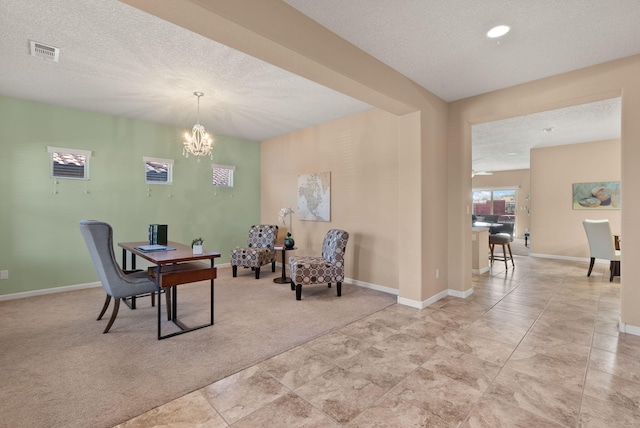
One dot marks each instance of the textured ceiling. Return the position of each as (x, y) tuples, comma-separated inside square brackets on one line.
[(505, 144), (118, 60), (442, 44)]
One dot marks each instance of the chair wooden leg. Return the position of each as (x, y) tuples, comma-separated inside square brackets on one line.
[(593, 260), (491, 246), (104, 308), (234, 270), (511, 255), (504, 256), (273, 266), (611, 269), (298, 292), (329, 285), (339, 287), (293, 285), (257, 272), (616, 268), (116, 306), (153, 299)]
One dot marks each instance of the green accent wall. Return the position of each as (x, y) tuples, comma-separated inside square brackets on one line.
[(40, 243)]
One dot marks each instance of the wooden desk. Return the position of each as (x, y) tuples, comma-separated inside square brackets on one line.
[(172, 268)]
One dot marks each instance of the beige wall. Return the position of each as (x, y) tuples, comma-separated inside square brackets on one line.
[(612, 79), (361, 153), (516, 179), (555, 226)]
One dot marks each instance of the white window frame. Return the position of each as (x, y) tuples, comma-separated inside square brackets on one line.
[(53, 151), (165, 162), (221, 169), (515, 188)]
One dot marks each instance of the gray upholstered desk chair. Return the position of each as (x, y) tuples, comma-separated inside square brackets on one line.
[(116, 283)]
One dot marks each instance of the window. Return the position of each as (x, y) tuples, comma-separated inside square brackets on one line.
[(223, 175), (69, 163), (158, 171), (497, 202)]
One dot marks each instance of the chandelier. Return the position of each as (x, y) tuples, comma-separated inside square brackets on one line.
[(198, 143)]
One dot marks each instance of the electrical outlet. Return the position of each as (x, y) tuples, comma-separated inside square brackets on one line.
[(4, 274), (437, 273)]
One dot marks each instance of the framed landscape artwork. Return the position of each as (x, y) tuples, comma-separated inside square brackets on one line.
[(601, 195)]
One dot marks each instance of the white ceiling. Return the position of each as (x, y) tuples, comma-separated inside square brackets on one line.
[(504, 144), (118, 60)]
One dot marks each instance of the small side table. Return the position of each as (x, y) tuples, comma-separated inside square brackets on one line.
[(284, 279)]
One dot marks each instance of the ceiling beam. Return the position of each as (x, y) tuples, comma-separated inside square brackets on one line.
[(277, 33)]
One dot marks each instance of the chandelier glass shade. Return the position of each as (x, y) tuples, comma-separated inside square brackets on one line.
[(199, 142)]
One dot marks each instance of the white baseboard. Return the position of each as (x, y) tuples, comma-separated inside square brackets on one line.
[(481, 270), (627, 328), (376, 287), (573, 259), (423, 304), (410, 302), (461, 294), (49, 291), (431, 300)]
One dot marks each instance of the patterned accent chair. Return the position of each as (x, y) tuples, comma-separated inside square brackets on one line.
[(321, 270), (259, 251)]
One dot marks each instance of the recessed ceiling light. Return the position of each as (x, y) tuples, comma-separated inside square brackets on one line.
[(547, 130), (498, 31)]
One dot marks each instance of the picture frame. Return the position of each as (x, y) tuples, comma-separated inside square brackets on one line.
[(597, 195)]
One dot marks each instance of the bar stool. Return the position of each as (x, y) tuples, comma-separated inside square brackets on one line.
[(503, 239)]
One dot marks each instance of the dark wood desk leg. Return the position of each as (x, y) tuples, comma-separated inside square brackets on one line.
[(212, 266), (133, 267), (174, 303), (159, 315)]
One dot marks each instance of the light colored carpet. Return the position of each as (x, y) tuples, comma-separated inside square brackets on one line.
[(58, 369)]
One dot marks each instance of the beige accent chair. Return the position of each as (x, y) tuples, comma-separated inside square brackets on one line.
[(602, 245)]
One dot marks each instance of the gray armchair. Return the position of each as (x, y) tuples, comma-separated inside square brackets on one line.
[(116, 283), (259, 250), (321, 270)]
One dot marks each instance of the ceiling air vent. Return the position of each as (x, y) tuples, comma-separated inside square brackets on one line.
[(41, 50)]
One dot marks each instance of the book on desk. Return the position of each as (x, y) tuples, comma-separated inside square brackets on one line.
[(154, 247)]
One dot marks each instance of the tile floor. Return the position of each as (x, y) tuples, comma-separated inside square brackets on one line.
[(534, 346)]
